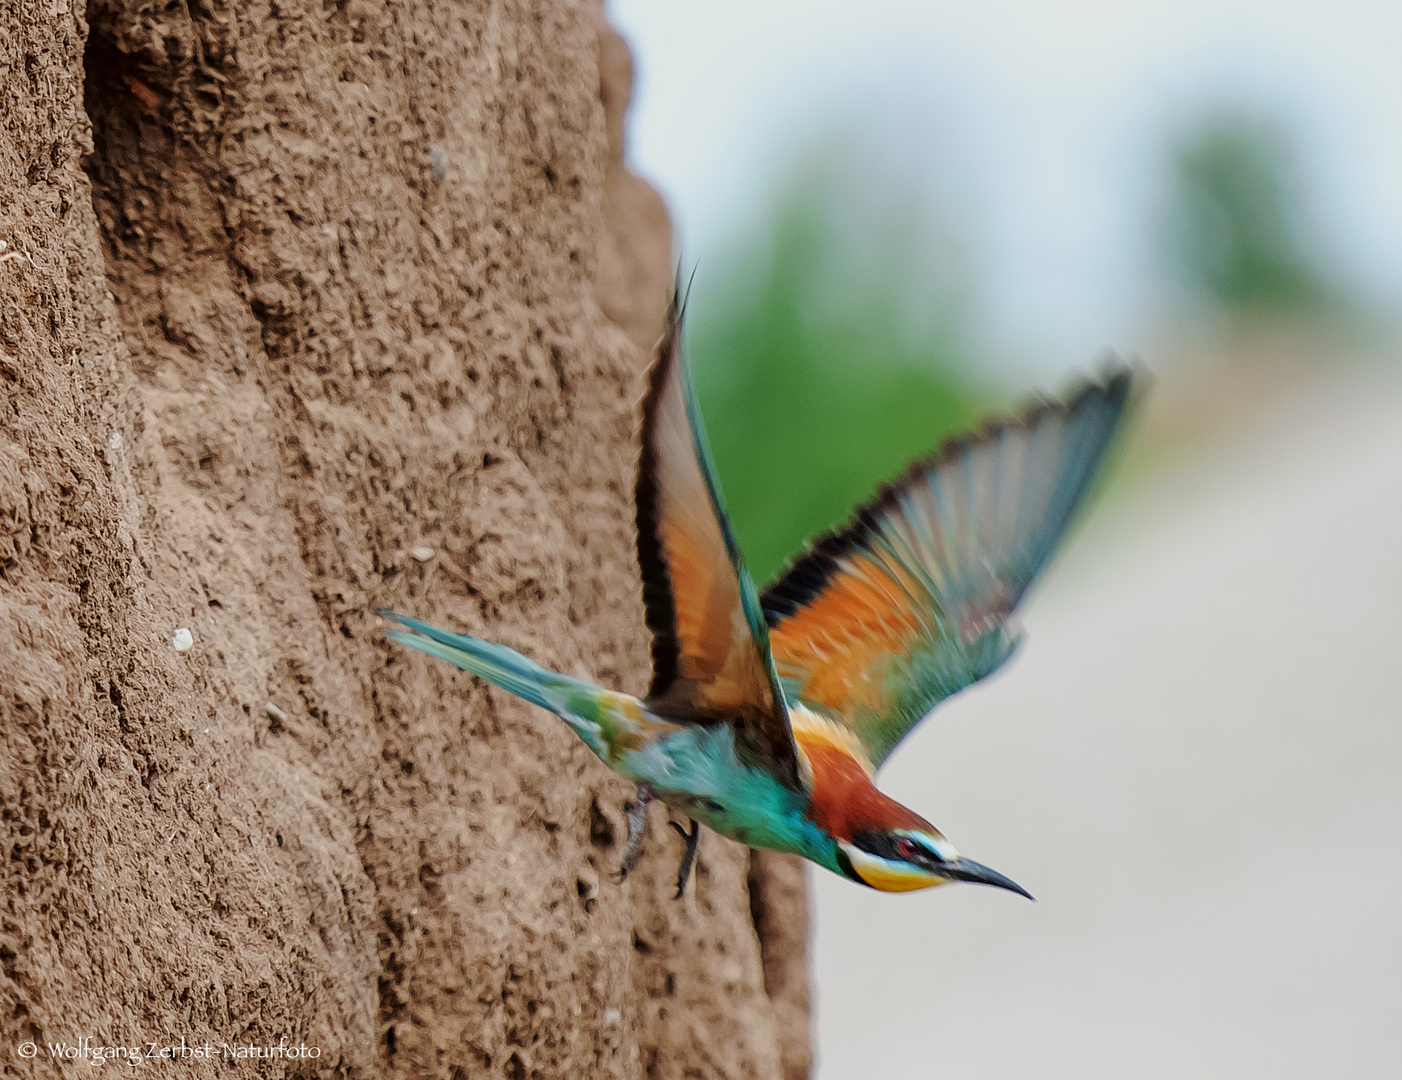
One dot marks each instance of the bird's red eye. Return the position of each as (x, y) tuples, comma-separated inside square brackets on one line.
[(905, 848)]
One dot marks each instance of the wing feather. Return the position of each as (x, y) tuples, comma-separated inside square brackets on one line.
[(878, 622), (710, 643)]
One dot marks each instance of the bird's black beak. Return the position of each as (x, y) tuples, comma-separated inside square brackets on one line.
[(968, 870)]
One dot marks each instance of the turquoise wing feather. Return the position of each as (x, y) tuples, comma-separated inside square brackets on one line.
[(880, 621)]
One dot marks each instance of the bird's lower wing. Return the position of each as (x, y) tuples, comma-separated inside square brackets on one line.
[(710, 648), (910, 603)]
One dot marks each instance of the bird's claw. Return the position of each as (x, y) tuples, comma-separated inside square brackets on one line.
[(637, 828), (693, 846)]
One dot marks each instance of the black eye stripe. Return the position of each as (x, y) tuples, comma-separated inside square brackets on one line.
[(888, 846)]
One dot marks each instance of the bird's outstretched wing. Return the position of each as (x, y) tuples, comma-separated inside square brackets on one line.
[(710, 646), (878, 622)]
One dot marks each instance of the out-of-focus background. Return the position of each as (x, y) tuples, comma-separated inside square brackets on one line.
[(905, 213)]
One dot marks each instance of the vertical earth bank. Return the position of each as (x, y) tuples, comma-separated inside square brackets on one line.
[(315, 307)]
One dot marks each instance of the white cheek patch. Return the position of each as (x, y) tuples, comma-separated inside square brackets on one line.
[(889, 876)]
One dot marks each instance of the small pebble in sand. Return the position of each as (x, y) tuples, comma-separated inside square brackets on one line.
[(182, 640), (422, 553), (274, 713), (438, 162)]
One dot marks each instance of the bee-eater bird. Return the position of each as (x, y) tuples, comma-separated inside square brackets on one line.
[(769, 715)]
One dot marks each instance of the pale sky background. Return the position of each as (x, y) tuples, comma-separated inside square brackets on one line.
[(1038, 127), (1193, 764)]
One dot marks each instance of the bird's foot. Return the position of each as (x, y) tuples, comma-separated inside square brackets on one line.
[(693, 846), (637, 827)]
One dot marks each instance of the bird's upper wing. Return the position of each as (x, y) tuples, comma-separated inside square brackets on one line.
[(878, 622), (710, 645)]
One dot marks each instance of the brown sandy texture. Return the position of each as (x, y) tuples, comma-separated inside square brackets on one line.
[(779, 909), (350, 308)]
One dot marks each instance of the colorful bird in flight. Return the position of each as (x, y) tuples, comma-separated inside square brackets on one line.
[(769, 714)]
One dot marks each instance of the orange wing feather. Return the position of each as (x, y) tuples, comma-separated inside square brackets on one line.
[(710, 647), (910, 603), (850, 630)]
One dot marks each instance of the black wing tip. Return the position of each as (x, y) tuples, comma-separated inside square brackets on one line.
[(1119, 384), (677, 304), (664, 351), (659, 607), (1124, 381), (676, 311)]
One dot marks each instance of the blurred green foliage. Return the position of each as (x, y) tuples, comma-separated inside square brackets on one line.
[(1237, 234), (828, 353)]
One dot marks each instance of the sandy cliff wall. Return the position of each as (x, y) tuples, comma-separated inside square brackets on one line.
[(309, 286)]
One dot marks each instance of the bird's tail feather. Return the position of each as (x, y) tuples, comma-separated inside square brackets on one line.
[(497, 664)]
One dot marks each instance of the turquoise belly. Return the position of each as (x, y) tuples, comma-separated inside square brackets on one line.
[(697, 772)]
